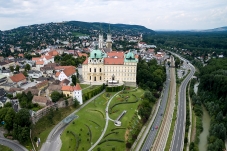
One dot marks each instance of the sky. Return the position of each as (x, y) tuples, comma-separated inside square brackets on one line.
[(153, 14)]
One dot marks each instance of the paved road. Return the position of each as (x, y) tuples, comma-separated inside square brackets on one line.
[(164, 128), (152, 133), (179, 132), (11, 144), (53, 142)]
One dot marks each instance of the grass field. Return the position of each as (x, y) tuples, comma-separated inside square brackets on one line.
[(92, 117), (89, 89), (120, 134), (84, 86), (4, 148)]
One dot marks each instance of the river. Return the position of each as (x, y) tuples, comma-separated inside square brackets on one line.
[(206, 125), (205, 132)]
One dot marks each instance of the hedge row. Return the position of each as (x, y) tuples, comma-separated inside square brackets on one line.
[(114, 89), (99, 112), (90, 94), (106, 140), (95, 123), (124, 103), (117, 128), (110, 134), (89, 132), (77, 140)]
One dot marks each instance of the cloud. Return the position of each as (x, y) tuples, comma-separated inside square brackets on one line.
[(154, 14)]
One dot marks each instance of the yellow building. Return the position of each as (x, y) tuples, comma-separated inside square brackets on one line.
[(112, 67)]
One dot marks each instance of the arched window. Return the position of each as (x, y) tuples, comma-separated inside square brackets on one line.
[(100, 70), (94, 78), (95, 70), (90, 77), (100, 78), (90, 69)]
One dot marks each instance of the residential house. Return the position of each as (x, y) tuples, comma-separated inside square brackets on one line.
[(34, 90), (48, 69), (34, 74), (41, 100), (73, 91), (42, 85), (6, 64), (7, 85), (6, 73), (14, 91), (3, 98), (66, 73), (17, 78), (3, 78), (52, 88)]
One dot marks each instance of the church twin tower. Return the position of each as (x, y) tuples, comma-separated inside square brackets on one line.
[(108, 41)]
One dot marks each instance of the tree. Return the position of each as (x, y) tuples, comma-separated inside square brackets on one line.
[(8, 104), (22, 118), (148, 95), (3, 113), (29, 96), (17, 68), (11, 68), (27, 67), (9, 118), (76, 103), (73, 79), (55, 96), (10, 96)]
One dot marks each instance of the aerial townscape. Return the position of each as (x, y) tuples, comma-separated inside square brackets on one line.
[(96, 86)]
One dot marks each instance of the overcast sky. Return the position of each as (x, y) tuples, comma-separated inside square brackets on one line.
[(153, 14)]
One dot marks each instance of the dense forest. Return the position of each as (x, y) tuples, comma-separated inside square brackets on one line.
[(213, 94), (198, 43)]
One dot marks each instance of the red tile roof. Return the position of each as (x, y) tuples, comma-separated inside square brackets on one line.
[(61, 67), (119, 54), (114, 61), (57, 74), (17, 77), (69, 71), (86, 61), (67, 88), (48, 57), (82, 54), (77, 87), (53, 53), (36, 59), (39, 62), (71, 88)]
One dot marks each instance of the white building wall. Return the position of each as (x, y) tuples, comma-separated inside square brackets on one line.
[(78, 96)]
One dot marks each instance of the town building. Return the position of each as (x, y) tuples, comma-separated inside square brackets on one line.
[(113, 67), (74, 92)]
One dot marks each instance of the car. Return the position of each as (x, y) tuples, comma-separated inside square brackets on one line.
[(156, 127), (161, 114), (152, 128)]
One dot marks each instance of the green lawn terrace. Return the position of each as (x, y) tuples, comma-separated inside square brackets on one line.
[(115, 137), (84, 131), (87, 128)]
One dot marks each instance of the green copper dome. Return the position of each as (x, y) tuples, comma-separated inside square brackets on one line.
[(98, 54), (130, 55)]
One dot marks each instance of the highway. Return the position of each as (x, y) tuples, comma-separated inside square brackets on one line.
[(11, 144), (179, 131), (153, 131)]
